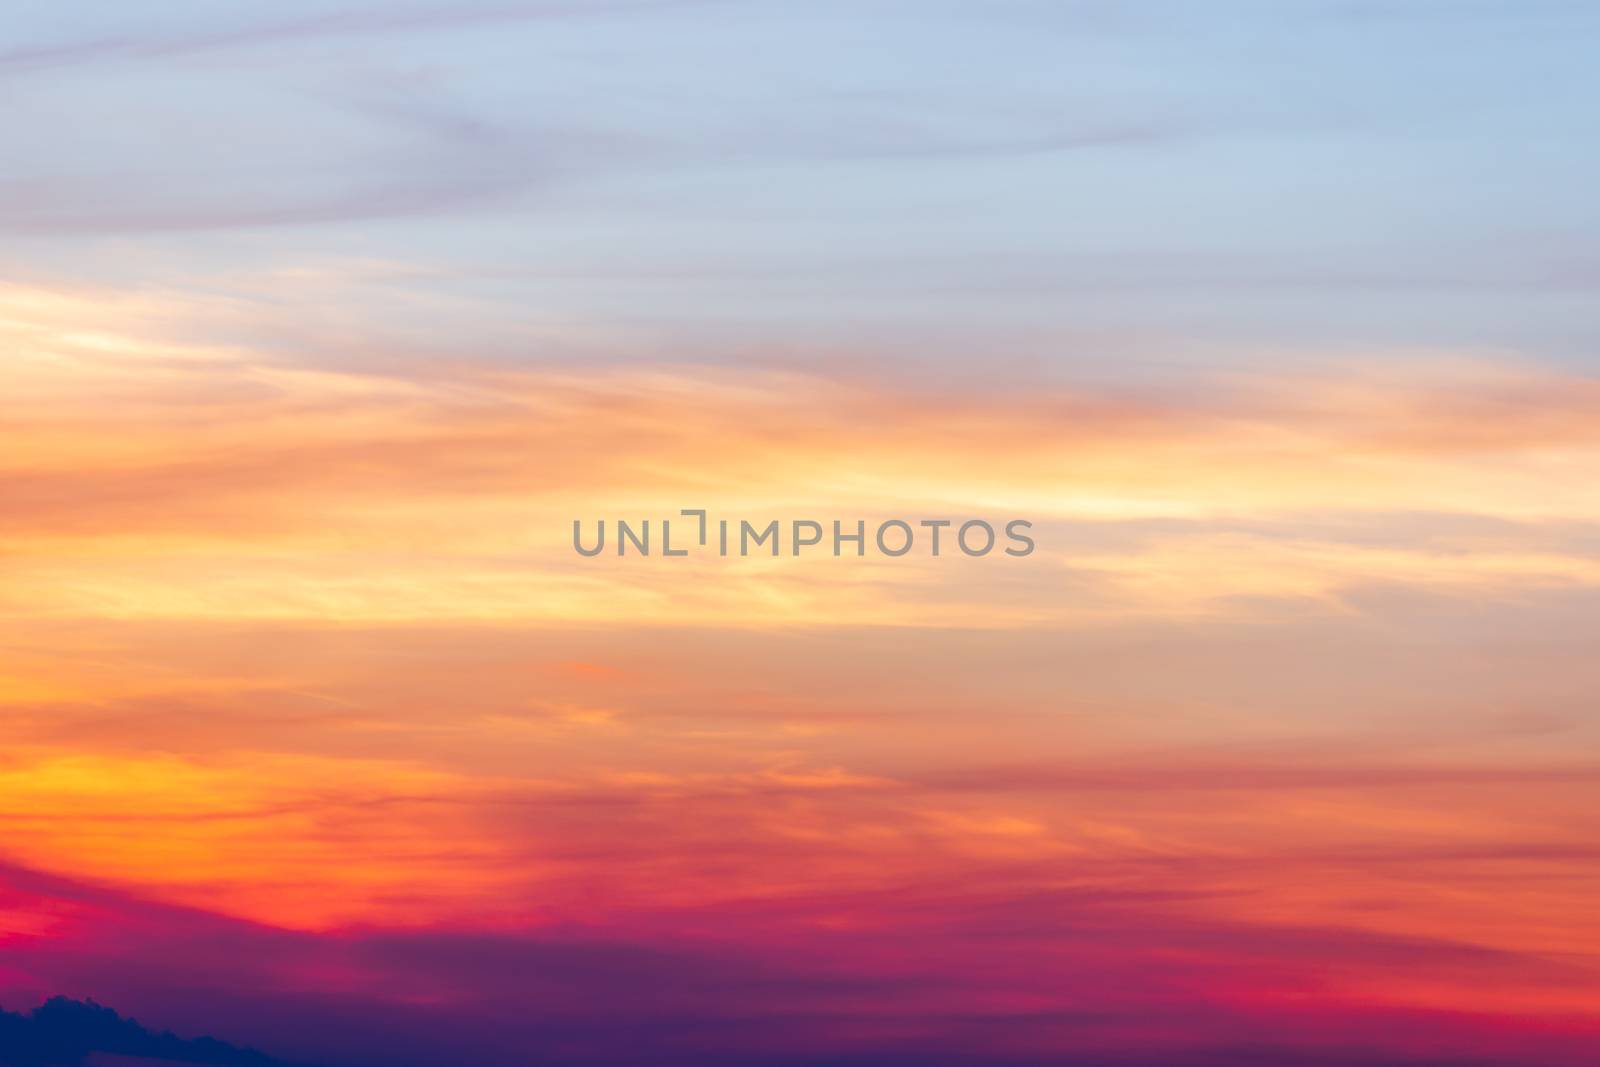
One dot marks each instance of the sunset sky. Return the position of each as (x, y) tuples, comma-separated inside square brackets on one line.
[(321, 323)]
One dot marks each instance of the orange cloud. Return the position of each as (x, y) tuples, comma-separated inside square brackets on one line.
[(311, 648), (148, 480)]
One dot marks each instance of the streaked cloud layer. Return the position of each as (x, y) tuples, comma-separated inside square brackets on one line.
[(316, 734), (1289, 693)]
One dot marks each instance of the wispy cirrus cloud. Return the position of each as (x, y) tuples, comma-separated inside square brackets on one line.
[(318, 21), (439, 490), (315, 733)]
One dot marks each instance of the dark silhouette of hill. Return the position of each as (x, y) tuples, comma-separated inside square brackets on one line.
[(63, 1032)]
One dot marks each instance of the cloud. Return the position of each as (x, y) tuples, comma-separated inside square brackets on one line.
[(317, 734), (331, 21), (163, 477), (945, 976), (416, 135)]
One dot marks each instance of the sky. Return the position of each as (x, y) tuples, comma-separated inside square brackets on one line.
[(321, 323)]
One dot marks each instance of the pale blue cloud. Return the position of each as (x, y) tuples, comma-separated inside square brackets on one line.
[(1059, 182)]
